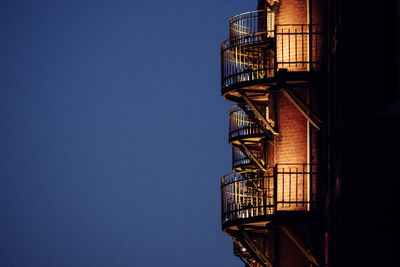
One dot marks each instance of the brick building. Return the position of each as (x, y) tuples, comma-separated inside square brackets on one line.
[(315, 109)]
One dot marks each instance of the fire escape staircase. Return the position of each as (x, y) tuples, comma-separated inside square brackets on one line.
[(256, 116), (240, 92), (256, 253), (247, 151), (253, 249)]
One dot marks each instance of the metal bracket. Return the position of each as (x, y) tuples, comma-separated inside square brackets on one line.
[(257, 113), (249, 153), (245, 261), (300, 245), (270, 137), (252, 247), (298, 103)]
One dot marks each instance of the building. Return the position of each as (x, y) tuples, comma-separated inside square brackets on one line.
[(315, 109)]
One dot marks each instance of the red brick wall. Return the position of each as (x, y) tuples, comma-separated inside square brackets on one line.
[(295, 12), (317, 21), (291, 143), (292, 12), (291, 147), (292, 17)]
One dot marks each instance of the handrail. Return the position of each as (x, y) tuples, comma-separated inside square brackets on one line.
[(241, 125), (247, 58), (251, 22), (286, 187), (239, 159), (257, 56), (244, 161), (246, 195)]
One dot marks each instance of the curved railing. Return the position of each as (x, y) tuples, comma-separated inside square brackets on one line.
[(248, 54), (246, 195), (239, 159), (251, 57), (286, 187), (242, 161), (247, 58), (240, 124), (252, 22)]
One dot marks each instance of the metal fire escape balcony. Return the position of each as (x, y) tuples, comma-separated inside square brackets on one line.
[(259, 54), (260, 62), (251, 158), (248, 137), (254, 198), (245, 128)]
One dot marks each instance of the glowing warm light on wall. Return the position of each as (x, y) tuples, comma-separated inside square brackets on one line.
[(292, 187)]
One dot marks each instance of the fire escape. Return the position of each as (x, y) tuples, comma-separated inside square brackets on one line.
[(260, 63)]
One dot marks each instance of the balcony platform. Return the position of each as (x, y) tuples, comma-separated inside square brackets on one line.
[(284, 192), (258, 224), (258, 89)]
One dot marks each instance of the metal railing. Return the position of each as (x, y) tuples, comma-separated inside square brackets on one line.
[(241, 125), (246, 195), (251, 56), (286, 187), (247, 58), (296, 186), (241, 160), (251, 22), (298, 46)]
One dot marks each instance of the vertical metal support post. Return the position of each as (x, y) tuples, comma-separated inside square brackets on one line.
[(309, 153), (275, 181), (290, 187), (310, 197), (236, 196), (223, 211), (309, 9), (289, 37), (222, 68), (275, 53)]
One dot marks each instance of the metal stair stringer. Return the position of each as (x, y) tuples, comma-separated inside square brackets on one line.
[(302, 107), (301, 246), (245, 150), (253, 249), (257, 117)]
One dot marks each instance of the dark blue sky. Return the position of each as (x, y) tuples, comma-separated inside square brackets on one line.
[(113, 132)]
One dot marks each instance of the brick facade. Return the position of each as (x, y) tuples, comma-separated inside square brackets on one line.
[(292, 12), (291, 143)]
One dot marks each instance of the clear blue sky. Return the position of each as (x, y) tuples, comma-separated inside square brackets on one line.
[(113, 132)]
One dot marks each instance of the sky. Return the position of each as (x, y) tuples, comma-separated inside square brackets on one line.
[(113, 132)]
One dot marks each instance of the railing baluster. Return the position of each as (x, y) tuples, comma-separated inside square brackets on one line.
[(289, 48), (302, 45), (248, 195), (248, 55), (282, 40), (297, 187), (305, 185), (295, 42), (290, 187)]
